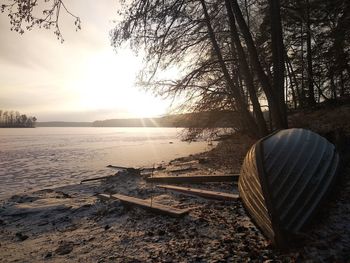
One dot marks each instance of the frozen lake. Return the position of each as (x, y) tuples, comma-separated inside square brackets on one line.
[(47, 157)]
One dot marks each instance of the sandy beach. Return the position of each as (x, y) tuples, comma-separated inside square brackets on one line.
[(70, 224)]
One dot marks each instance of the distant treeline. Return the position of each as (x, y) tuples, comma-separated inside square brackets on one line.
[(190, 120), (14, 119), (63, 124)]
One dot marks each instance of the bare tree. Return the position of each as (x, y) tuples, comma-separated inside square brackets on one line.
[(231, 55), (22, 15)]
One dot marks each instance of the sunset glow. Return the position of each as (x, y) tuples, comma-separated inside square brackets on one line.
[(83, 79)]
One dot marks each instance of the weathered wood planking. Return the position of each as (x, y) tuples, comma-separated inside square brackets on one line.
[(193, 179), (96, 178), (104, 197), (202, 193), (146, 204), (284, 179), (184, 170)]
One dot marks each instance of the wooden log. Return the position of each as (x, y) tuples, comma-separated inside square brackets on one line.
[(104, 197), (184, 170), (118, 167), (136, 169), (146, 204), (175, 163), (130, 170), (202, 193), (193, 179), (96, 178)]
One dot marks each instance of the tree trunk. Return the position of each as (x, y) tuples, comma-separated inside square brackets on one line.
[(247, 118), (244, 69), (333, 88), (247, 12), (278, 55), (278, 118), (236, 76), (342, 84), (310, 83), (292, 78), (302, 93)]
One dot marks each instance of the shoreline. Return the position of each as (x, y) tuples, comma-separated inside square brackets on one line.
[(70, 223), (40, 158), (73, 220)]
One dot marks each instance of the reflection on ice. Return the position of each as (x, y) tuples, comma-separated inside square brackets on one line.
[(47, 157)]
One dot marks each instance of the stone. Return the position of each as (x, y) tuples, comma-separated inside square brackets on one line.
[(150, 233), (161, 232), (64, 248), (20, 236)]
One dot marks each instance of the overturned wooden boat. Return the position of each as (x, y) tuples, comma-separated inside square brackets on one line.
[(283, 180)]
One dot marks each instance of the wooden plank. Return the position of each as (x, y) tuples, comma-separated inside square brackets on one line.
[(96, 178), (130, 170), (184, 170), (118, 167), (104, 197), (147, 204), (202, 193), (135, 170), (193, 179)]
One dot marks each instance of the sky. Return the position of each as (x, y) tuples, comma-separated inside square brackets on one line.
[(83, 79)]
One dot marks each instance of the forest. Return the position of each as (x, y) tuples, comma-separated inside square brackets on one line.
[(14, 119), (255, 57), (248, 56)]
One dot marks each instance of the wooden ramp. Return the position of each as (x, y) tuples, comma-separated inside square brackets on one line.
[(146, 204), (193, 179), (202, 193)]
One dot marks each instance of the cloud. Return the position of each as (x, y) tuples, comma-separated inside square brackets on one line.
[(81, 79)]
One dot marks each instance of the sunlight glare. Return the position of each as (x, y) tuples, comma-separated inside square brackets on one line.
[(107, 81)]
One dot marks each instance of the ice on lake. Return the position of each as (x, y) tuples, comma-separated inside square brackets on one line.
[(48, 157)]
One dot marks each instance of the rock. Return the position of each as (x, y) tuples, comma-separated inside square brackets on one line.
[(155, 239), (91, 238), (130, 259), (43, 223), (227, 240), (161, 232), (150, 233), (21, 237), (241, 229), (61, 194), (48, 255), (203, 161), (113, 257), (64, 248)]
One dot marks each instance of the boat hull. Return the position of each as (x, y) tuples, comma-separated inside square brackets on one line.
[(283, 180)]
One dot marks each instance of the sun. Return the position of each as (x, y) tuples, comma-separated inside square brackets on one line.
[(106, 80), (146, 105)]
